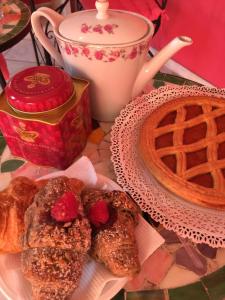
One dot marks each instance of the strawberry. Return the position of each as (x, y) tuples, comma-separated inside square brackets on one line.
[(65, 208), (98, 213)]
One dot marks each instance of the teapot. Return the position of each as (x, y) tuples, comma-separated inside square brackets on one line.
[(109, 48)]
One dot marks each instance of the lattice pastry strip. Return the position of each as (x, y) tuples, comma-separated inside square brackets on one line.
[(212, 150), (179, 143)]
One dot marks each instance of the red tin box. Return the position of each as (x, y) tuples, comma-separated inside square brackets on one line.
[(45, 116)]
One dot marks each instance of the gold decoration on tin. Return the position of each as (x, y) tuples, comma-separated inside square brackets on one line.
[(26, 135), (37, 78)]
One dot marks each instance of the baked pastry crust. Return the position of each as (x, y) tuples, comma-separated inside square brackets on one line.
[(114, 244), (14, 201), (182, 144), (54, 253)]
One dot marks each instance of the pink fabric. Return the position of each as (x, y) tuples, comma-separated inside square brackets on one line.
[(3, 67), (148, 8), (204, 21)]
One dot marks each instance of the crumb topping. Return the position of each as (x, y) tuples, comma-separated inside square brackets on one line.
[(54, 252)]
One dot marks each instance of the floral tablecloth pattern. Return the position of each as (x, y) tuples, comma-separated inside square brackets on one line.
[(179, 269)]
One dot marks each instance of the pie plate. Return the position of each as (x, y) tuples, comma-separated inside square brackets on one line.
[(96, 282), (188, 220)]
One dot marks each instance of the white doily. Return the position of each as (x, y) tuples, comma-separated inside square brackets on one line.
[(202, 225)]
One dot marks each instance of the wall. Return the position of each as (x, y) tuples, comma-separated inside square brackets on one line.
[(204, 21)]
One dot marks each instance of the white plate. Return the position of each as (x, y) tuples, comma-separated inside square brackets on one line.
[(96, 282)]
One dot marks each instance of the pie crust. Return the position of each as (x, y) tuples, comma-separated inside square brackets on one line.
[(182, 144)]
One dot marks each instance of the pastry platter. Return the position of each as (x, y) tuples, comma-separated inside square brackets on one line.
[(96, 282), (190, 219)]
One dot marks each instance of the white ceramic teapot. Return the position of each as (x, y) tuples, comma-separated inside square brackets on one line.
[(108, 47)]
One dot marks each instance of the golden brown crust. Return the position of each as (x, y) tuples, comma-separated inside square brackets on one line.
[(119, 200), (54, 252), (115, 245), (187, 140), (75, 184), (14, 201), (22, 189), (46, 266)]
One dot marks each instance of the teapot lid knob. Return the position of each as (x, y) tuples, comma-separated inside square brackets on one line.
[(102, 8)]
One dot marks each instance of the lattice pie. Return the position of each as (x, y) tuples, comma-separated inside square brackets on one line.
[(182, 143)]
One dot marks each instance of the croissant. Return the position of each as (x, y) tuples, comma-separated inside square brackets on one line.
[(54, 252), (114, 243), (14, 201)]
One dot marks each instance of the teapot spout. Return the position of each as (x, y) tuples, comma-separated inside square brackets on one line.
[(151, 67)]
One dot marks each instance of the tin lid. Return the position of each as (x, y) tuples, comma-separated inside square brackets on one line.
[(105, 26), (39, 89)]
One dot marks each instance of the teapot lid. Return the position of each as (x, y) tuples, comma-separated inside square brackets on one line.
[(104, 26)]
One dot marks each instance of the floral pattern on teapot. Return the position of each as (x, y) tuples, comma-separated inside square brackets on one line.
[(98, 28), (105, 54)]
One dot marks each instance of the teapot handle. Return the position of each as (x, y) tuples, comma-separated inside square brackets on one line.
[(54, 18)]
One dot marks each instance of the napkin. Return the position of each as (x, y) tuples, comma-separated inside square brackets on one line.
[(82, 169), (96, 283)]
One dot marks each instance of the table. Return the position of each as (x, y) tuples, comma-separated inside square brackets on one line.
[(173, 272), (14, 25)]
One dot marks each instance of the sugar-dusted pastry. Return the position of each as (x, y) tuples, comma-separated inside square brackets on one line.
[(14, 201), (182, 143), (57, 238), (114, 217)]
